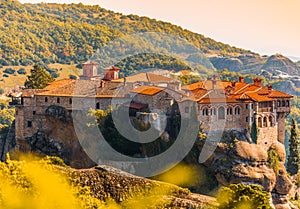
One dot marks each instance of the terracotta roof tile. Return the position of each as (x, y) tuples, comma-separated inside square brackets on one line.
[(258, 98), (147, 90), (146, 77), (279, 94)]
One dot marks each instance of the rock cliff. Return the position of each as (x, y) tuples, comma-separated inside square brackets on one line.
[(107, 182), (243, 162)]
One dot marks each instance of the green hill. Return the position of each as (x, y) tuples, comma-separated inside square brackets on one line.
[(60, 33)]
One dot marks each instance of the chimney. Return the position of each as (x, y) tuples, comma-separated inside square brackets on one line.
[(89, 70), (270, 89), (111, 73), (233, 83), (241, 79), (257, 81)]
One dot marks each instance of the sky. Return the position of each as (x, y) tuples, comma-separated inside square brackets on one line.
[(263, 26)]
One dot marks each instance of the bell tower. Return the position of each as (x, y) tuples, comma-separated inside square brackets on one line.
[(89, 71)]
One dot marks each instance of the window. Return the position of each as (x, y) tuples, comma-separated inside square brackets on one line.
[(247, 119), (213, 111), (278, 104), (229, 111), (259, 122), (70, 101), (283, 103), (97, 105), (29, 124), (252, 119), (46, 99), (246, 106), (22, 100), (221, 113), (187, 109), (265, 122), (58, 100), (237, 111), (252, 106), (205, 112), (287, 103), (34, 112)]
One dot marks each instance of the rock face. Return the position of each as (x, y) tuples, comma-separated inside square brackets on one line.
[(58, 138), (7, 141), (244, 162), (107, 182)]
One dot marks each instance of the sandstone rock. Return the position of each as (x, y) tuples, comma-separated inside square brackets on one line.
[(105, 181), (244, 162), (280, 149), (283, 183), (250, 152)]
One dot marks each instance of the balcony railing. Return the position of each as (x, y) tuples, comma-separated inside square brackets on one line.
[(265, 109), (283, 109)]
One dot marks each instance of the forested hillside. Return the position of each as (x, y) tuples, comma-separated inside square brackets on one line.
[(60, 33)]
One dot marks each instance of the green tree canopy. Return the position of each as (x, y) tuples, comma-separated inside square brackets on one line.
[(293, 158), (254, 132), (38, 78)]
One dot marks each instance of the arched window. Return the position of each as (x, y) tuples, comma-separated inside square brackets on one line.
[(58, 100), (229, 111), (97, 105), (70, 101), (205, 112), (260, 122), (237, 111), (283, 103), (221, 113), (46, 99), (265, 121)]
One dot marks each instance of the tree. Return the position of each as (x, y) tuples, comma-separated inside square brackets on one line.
[(38, 78), (243, 196), (294, 157), (254, 132)]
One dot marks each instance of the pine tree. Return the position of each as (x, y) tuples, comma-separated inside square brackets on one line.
[(254, 131), (293, 158), (38, 78)]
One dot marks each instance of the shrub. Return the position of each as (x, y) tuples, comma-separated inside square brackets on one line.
[(9, 71), (72, 76), (273, 159), (21, 71), (243, 196)]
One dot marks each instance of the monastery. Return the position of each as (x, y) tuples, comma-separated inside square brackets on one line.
[(235, 104)]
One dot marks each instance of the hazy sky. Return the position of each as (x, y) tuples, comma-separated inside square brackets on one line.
[(263, 26)]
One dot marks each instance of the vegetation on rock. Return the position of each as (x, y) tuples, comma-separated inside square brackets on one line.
[(243, 196)]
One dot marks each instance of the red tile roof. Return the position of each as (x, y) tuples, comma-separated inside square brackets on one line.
[(233, 91), (147, 90)]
